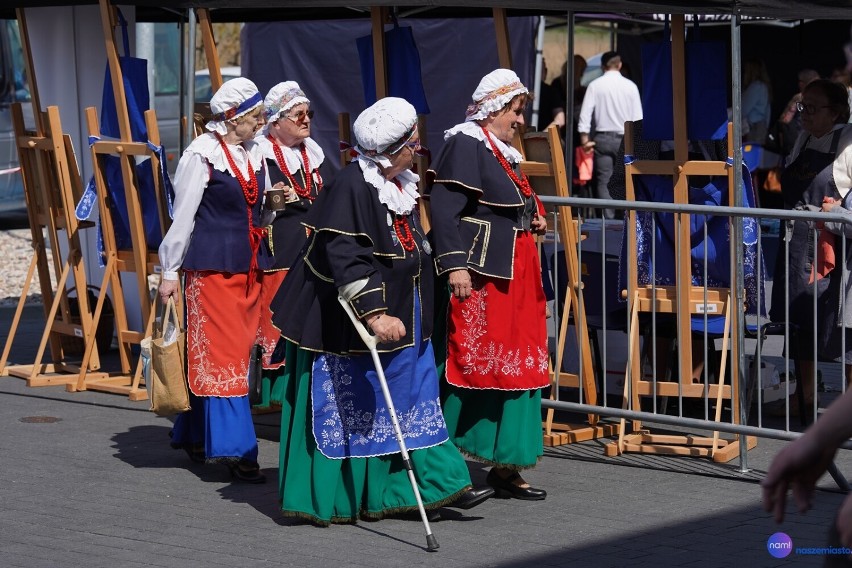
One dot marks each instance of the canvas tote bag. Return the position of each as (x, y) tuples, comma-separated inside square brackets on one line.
[(169, 391)]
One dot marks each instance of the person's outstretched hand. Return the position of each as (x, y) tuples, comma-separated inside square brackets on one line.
[(798, 467)]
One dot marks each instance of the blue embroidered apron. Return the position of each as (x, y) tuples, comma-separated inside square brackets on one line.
[(350, 419)]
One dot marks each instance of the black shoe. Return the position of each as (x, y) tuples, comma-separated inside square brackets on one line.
[(506, 489), (471, 498), (247, 475), (195, 454)]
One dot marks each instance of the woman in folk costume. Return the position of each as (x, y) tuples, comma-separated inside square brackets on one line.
[(339, 457), (484, 214), (294, 162), (218, 241)]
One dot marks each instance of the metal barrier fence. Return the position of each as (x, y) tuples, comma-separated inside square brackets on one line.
[(770, 342)]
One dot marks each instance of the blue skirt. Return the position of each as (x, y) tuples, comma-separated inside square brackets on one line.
[(223, 425)]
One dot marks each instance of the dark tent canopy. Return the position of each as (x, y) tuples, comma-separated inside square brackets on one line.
[(268, 10)]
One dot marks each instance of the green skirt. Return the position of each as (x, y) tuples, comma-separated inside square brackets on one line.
[(500, 428), (326, 490)]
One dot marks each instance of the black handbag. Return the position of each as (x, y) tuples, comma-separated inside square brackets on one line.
[(255, 374)]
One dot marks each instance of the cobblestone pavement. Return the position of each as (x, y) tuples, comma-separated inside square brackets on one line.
[(16, 253)]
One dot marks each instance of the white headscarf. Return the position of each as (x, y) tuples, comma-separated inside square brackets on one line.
[(281, 98), (233, 99), (494, 91), (389, 122), (377, 128)]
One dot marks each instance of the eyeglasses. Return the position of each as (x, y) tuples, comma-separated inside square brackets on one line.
[(413, 145), (300, 116), (809, 109)]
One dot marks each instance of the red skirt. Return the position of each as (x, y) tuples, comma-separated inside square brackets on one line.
[(269, 333), (497, 338), (223, 321)]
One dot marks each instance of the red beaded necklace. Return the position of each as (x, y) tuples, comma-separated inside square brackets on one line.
[(249, 186), (303, 192), (250, 192), (402, 228), (523, 183)]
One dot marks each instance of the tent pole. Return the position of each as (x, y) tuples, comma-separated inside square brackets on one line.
[(378, 16), (569, 95), (501, 26), (188, 101), (739, 345), (537, 78)]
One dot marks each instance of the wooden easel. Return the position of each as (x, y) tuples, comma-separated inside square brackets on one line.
[(544, 164), (52, 186), (684, 300), (139, 261)]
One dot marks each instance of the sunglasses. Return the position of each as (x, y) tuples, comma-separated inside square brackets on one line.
[(300, 117), (809, 109)]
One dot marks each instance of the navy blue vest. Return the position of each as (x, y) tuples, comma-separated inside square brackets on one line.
[(220, 238)]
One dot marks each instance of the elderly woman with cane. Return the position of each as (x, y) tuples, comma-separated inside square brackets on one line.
[(339, 458), (484, 214), (218, 241)]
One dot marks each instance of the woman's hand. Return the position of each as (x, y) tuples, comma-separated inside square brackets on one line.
[(289, 192), (829, 203), (387, 328), (169, 289), (460, 283), (539, 224)]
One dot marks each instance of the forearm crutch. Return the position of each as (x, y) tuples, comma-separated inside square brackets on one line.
[(371, 342)]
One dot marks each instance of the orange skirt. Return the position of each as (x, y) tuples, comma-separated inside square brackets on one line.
[(497, 338), (223, 321)]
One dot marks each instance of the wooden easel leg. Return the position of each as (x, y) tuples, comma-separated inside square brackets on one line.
[(37, 365), (18, 311)]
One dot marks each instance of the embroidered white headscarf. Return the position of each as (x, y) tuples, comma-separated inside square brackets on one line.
[(281, 98), (389, 122), (494, 91)]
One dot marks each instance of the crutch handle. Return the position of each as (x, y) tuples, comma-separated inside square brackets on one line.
[(370, 340)]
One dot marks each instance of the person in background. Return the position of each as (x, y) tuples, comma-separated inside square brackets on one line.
[(484, 215), (294, 162), (610, 101), (819, 167), (790, 121), (844, 77), (339, 458), (549, 102), (756, 100), (217, 239)]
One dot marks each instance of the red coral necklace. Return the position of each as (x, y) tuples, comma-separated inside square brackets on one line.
[(303, 192), (250, 192), (523, 182), (402, 228)]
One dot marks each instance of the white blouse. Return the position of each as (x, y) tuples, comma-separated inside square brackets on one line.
[(190, 181)]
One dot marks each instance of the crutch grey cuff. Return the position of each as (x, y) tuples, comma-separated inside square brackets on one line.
[(347, 291)]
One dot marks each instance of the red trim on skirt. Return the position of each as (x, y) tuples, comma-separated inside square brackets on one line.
[(497, 338), (224, 318)]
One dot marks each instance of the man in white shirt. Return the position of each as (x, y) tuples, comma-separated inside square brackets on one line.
[(610, 101)]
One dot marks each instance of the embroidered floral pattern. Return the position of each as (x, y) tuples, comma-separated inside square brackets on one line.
[(351, 424), (490, 357), (206, 378)]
